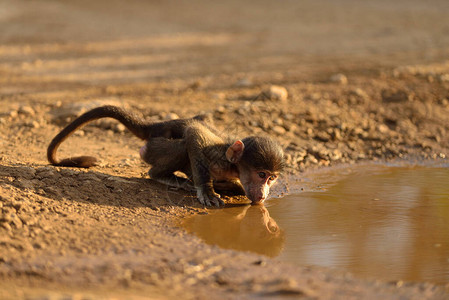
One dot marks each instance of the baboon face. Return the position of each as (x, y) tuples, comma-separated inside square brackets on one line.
[(257, 183), (259, 161)]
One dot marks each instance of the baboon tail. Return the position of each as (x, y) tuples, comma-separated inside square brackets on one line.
[(134, 124)]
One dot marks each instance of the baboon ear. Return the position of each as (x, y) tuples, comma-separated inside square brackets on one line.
[(235, 152)]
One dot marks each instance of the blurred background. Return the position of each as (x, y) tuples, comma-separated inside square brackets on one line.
[(92, 42)]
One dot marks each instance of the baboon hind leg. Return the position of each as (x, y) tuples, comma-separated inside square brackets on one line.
[(166, 157)]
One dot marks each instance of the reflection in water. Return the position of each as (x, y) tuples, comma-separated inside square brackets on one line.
[(374, 221), (247, 228), (379, 222)]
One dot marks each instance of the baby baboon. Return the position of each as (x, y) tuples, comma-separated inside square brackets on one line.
[(193, 146)]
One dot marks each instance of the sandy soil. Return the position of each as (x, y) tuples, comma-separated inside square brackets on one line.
[(365, 81)]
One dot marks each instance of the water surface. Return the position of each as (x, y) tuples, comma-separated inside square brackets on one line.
[(375, 221)]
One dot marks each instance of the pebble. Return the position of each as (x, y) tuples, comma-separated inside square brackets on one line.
[(335, 155), (33, 124), (120, 128), (311, 159), (290, 127), (339, 78), (221, 109), (383, 128), (171, 116), (360, 93), (336, 134), (322, 136), (126, 162), (13, 114), (276, 92), (79, 132), (26, 110), (278, 121), (279, 130)]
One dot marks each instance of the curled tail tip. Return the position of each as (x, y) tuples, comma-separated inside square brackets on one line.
[(77, 162)]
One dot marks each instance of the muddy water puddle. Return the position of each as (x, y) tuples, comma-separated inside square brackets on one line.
[(376, 221)]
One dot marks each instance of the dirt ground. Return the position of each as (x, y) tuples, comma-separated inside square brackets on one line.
[(336, 82)]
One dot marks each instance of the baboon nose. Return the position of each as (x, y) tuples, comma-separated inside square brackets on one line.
[(258, 200)]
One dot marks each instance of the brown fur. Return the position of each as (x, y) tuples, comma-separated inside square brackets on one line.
[(194, 147)]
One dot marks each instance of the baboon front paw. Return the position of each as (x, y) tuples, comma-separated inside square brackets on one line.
[(209, 199)]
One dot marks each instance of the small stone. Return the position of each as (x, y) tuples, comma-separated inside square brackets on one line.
[(383, 128), (279, 130), (336, 134), (358, 95), (322, 137), (13, 114), (79, 133), (290, 126), (335, 155), (221, 109), (33, 124), (339, 78), (26, 110), (278, 121), (119, 128), (276, 92), (171, 116), (126, 162), (311, 159)]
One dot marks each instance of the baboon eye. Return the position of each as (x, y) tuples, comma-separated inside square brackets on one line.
[(273, 177), (262, 174)]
